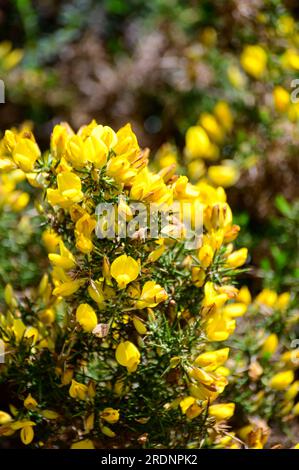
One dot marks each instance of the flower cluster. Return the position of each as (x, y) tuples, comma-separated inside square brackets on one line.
[(263, 378), (124, 342)]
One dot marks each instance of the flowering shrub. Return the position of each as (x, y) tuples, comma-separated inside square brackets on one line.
[(263, 367), (21, 252), (121, 344)]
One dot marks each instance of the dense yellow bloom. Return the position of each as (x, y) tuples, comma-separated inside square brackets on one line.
[(254, 61), (152, 294), (86, 316), (124, 270), (78, 390), (68, 192), (127, 355)]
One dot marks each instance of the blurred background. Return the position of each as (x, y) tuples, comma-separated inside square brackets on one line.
[(223, 68), (209, 87)]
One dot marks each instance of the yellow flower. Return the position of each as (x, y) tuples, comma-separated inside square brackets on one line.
[(198, 143), (107, 431), (286, 25), (152, 294), (244, 295), (78, 390), (222, 411), (124, 270), (211, 126), (211, 360), (65, 260), (281, 380), (9, 296), (32, 334), (49, 414), (67, 289), (18, 329), (110, 415), (219, 326), (237, 258), (254, 61), (51, 240), (235, 309), (224, 115), (30, 403), (283, 300), (139, 326), (47, 316), (270, 345), (5, 417), (149, 187), (84, 228), (223, 175), (205, 256), (290, 59), (18, 201), (292, 391), (267, 297), (127, 355), (68, 192), (27, 434), (83, 444), (281, 99), (236, 77), (190, 407), (25, 154), (86, 316), (295, 410)]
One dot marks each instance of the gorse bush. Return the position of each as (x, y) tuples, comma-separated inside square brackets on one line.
[(121, 343)]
